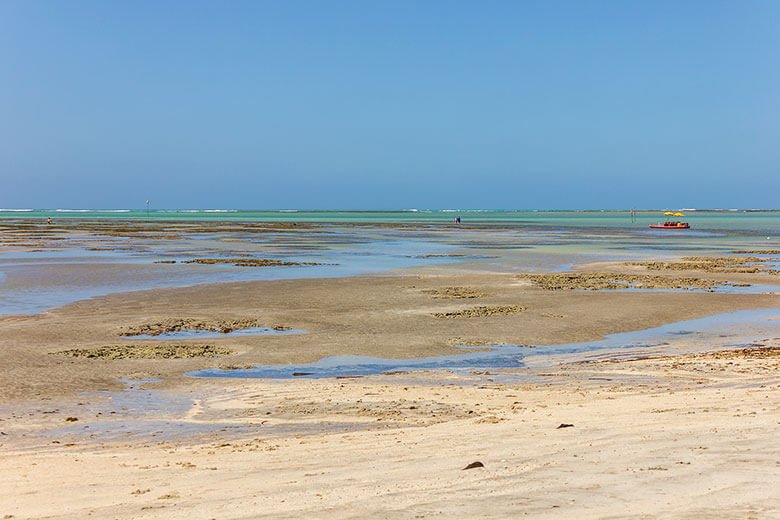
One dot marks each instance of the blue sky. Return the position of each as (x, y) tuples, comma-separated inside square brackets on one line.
[(380, 105)]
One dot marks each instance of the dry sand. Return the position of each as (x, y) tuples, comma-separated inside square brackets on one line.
[(687, 436)]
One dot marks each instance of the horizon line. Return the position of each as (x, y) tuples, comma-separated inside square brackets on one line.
[(406, 210)]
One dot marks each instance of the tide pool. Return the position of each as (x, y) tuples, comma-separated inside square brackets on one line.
[(714, 331)]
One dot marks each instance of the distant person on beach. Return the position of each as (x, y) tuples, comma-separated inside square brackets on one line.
[(48, 220), (457, 220)]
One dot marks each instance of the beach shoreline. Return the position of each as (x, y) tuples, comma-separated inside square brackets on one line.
[(688, 435), (111, 424)]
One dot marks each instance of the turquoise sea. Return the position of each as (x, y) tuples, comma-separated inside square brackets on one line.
[(758, 221), (72, 261)]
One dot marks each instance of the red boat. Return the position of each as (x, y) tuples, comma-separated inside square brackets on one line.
[(671, 225)]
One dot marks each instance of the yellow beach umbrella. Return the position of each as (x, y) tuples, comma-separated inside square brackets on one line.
[(678, 215), (668, 213)]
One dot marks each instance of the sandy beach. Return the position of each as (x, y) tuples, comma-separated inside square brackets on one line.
[(675, 437), (389, 260), (98, 422)]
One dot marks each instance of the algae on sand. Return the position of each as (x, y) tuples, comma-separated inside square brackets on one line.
[(246, 262), (482, 311), (181, 324), (455, 293), (147, 352), (611, 281)]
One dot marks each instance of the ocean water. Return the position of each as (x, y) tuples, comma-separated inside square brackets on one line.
[(760, 221), (83, 263)]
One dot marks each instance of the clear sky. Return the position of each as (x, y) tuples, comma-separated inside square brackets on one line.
[(390, 104)]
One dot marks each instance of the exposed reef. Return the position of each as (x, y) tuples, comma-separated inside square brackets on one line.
[(162, 351), (614, 281), (245, 262), (440, 255), (710, 264), (176, 325), (482, 311), (471, 342), (455, 293)]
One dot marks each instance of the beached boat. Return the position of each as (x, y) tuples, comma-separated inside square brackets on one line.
[(671, 224)]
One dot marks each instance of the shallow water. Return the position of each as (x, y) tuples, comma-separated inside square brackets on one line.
[(83, 266), (701, 220), (140, 414), (133, 414), (713, 331), (32, 282)]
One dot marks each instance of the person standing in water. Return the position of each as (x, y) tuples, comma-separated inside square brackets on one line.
[(457, 219)]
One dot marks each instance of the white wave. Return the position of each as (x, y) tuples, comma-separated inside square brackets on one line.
[(73, 210), (9, 210), (220, 211), (115, 211), (288, 211)]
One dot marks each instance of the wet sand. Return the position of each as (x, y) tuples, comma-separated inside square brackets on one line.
[(683, 436), (673, 431), (388, 316)]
